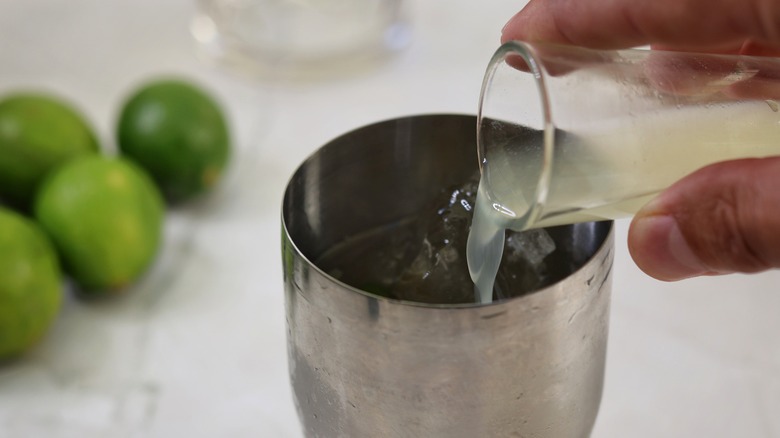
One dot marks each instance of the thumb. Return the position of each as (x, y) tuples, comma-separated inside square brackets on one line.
[(720, 219)]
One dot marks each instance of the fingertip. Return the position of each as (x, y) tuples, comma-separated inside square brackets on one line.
[(533, 23), (511, 30), (659, 248)]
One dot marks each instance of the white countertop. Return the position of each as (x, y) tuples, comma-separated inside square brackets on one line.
[(198, 349)]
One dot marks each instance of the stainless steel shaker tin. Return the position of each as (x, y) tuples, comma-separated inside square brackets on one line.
[(366, 366)]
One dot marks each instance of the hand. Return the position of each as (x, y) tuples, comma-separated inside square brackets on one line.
[(723, 218)]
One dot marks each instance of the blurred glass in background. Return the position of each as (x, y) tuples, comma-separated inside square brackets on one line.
[(299, 37)]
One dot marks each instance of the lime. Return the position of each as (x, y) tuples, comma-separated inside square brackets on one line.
[(177, 132), (105, 217), (37, 132), (30, 283)]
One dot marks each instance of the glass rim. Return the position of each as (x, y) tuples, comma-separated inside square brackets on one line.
[(538, 197)]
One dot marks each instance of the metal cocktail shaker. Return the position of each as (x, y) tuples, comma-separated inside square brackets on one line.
[(366, 366)]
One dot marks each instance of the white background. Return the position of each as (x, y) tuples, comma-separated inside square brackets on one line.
[(198, 348)]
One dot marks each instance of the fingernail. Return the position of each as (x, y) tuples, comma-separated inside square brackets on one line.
[(660, 249)]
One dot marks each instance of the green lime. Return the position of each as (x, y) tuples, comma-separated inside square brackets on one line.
[(30, 283), (37, 133), (105, 216), (177, 132)]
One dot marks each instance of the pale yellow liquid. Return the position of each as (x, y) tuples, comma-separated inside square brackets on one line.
[(607, 171)]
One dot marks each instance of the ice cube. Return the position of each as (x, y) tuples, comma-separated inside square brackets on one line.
[(530, 245), (524, 267), (439, 273)]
